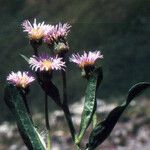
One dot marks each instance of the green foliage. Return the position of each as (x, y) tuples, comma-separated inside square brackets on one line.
[(123, 37), (90, 101), (25, 125), (50, 89), (104, 128)]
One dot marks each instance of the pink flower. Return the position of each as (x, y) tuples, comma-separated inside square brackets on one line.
[(46, 63), (50, 37), (62, 30), (56, 32), (20, 79), (35, 31), (87, 59)]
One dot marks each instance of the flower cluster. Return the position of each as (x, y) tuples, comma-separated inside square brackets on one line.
[(20, 79), (46, 63), (47, 33), (50, 34)]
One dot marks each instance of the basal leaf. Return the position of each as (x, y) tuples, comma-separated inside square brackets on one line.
[(104, 128), (90, 101), (25, 125)]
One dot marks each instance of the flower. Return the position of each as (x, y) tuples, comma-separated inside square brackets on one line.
[(87, 59), (56, 32), (46, 63), (62, 30), (20, 79), (50, 37), (35, 31)]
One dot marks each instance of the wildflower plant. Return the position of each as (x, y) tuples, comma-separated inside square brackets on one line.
[(17, 89)]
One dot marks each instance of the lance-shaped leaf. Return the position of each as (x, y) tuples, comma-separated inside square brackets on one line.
[(104, 128), (90, 101), (25, 57), (25, 125), (50, 89)]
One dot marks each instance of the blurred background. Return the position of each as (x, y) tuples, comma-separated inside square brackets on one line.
[(119, 28)]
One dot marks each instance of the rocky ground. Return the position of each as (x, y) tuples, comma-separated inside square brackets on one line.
[(131, 133)]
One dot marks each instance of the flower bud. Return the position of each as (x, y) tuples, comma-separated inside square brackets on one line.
[(61, 48)]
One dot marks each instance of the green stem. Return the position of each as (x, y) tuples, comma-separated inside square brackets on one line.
[(65, 100), (77, 147), (35, 46), (69, 121), (65, 106), (48, 141), (94, 120), (47, 123)]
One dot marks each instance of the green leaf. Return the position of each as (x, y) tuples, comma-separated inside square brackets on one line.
[(25, 125), (104, 128), (90, 102), (50, 89), (25, 57)]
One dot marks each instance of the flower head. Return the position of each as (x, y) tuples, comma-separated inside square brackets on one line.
[(35, 31), (56, 32), (20, 79), (50, 37), (87, 59), (62, 30), (46, 63)]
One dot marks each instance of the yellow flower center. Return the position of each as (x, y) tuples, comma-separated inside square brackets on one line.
[(23, 82), (36, 34), (86, 63), (47, 65)]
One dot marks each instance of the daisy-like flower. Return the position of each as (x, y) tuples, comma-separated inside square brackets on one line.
[(56, 32), (35, 31), (87, 59), (50, 36), (46, 63), (20, 79), (62, 30)]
